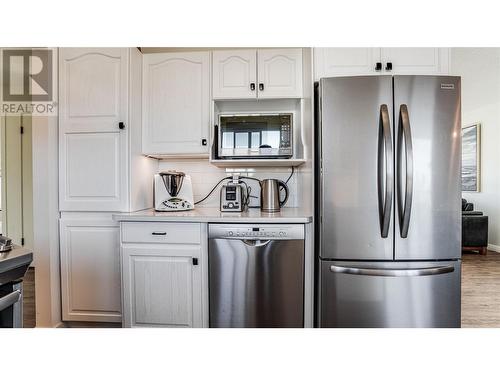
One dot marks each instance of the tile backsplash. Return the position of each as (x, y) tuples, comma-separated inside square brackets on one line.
[(204, 176)]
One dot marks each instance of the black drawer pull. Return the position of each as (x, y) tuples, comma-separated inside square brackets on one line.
[(159, 233)]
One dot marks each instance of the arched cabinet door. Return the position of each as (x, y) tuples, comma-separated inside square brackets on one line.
[(234, 74), (279, 73), (176, 103), (93, 119)]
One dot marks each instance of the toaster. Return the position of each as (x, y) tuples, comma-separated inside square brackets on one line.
[(232, 197)]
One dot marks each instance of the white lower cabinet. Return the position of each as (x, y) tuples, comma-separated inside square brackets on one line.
[(164, 275), (90, 268)]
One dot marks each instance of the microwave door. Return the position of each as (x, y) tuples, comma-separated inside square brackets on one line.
[(254, 136)]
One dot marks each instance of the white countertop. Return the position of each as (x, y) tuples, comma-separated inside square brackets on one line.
[(213, 215)]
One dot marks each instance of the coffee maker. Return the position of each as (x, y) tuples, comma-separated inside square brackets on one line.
[(173, 191)]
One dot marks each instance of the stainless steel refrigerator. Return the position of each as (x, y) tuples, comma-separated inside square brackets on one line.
[(389, 201)]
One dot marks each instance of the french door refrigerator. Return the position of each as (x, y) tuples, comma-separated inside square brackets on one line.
[(388, 201)]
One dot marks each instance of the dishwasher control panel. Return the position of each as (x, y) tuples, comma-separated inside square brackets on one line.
[(256, 231)]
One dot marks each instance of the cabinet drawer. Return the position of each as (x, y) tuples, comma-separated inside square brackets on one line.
[(155, 232)]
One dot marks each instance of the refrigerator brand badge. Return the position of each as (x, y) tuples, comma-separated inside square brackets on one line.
[(447, 86)]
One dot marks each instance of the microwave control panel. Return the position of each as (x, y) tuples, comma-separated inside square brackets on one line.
[(285, 134)]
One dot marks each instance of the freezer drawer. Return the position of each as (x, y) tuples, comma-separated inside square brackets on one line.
[(385, 295)]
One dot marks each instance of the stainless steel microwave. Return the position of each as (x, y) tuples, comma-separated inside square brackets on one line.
[(250, 136)]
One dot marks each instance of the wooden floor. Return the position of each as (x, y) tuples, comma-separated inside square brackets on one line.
[(480, 291), (29, 320)]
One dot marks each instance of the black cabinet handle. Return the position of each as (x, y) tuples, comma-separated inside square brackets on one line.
[(159, 233), (261, 86), (378, 66), (121, 125), (203, 142), (195, 261), (388, 66), (252, 86)]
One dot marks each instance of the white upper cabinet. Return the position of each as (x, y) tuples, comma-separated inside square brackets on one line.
[(335, 62), (415, 60), (280, 73), (234, 74), (263, 73), (176, 103), (93, 120), (93, 89)]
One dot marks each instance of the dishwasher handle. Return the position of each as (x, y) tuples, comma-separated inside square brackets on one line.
[(256, 243)]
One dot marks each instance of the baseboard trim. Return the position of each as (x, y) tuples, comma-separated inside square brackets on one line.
[(69, 324), (494, 247)]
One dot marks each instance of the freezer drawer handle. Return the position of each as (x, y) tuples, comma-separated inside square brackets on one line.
[(385, 172), (9, 299), (404, 133), (392, 272)]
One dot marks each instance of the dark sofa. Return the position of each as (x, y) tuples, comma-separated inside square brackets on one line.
[(474, 229)]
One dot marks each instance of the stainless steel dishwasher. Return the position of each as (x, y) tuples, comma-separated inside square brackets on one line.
[(256, 274)]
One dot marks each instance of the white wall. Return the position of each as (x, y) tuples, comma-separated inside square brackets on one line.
[(205, 175), (46, 221), (480, 72)]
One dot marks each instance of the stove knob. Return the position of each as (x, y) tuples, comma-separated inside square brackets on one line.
[(282, 234), (230, 233)]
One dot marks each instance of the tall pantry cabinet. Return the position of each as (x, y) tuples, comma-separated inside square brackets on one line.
[(100, 172)]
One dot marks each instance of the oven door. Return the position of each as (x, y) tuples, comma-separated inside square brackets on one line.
[(255, 136), (11, 305)]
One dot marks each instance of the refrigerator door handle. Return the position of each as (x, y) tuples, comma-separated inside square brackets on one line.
[(393, 272), (385, 172), (404, 137)]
